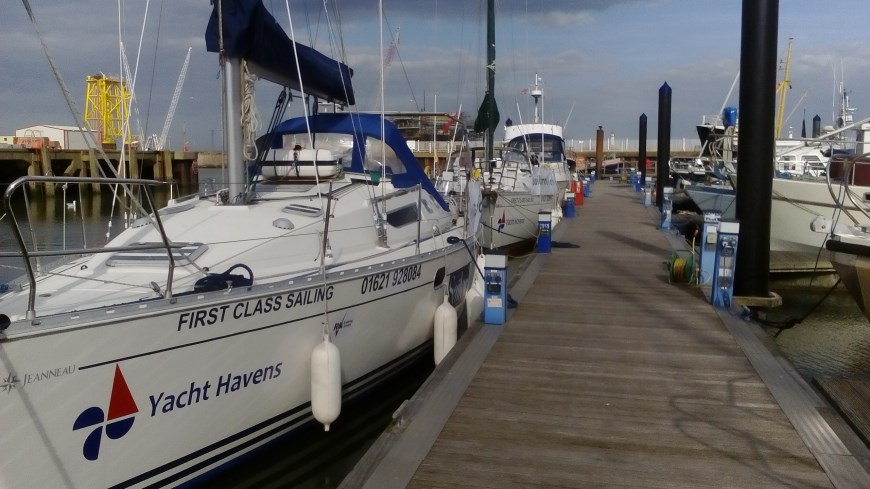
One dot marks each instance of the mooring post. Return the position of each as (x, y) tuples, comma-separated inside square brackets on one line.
[(758, 61), (664, 143), (134, 163), (599, 151), (47, 169), (93, 165), (641, 149)]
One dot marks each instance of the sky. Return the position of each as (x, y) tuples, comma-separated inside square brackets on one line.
[(602, 62)]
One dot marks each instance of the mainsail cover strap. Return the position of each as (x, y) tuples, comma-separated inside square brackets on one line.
[(251, 33)]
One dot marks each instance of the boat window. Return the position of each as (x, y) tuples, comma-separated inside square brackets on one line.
[(378, 153), (514, 159), (551, 147), (403, 216), (460, 160), (157, 256)]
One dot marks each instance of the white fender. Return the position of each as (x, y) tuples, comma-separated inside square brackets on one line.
[(325, 382), (445, 329)]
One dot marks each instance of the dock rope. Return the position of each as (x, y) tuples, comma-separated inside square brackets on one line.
[(781, 326)]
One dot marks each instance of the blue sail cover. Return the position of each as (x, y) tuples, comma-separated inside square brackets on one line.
[(250, 32), (362, 126)]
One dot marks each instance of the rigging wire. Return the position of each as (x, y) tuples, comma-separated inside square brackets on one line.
[(395, 46), (154, 63), (90, 139)]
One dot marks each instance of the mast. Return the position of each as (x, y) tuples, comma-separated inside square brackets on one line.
[(490, 72), (234, 138), (488, 116)]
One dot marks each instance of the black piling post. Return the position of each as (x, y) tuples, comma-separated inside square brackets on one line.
[(817, 126), (599, 152), (641, 148), (758, 61), (664, 143)]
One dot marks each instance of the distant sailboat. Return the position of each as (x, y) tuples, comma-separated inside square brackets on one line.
[(515, 190)]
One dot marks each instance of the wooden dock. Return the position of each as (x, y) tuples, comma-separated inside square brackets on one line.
[(607, 375)]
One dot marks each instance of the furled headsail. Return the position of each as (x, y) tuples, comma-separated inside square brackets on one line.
[(251, 33)]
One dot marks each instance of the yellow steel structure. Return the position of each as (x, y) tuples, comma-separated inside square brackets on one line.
[(783, 87), (107, 108)]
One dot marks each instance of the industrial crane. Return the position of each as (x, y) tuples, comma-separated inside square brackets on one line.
[(161, 143), (783, 87)]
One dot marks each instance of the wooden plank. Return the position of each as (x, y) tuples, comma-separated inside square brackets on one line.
[(851, 397)]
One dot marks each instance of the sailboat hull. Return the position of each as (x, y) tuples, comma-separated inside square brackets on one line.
[(511, 218), (234, 372)]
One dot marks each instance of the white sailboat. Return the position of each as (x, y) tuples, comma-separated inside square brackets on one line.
[(514, 193), (515, 190), (847, 238), (542, 140), (220, 323)]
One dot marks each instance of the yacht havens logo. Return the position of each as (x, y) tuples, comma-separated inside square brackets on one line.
[(184, 394), (121, 414), (504, 221)]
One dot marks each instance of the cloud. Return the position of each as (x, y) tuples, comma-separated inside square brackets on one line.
[(607, 57), (560, 19)]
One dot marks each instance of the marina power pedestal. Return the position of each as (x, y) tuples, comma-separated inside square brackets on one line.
[(587, 187), (545, 223), (495, 289), (707, 246), (638, 184), (726, 263), (569, 205), (667, 206)]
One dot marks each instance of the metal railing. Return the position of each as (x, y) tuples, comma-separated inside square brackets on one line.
[(27, 254)]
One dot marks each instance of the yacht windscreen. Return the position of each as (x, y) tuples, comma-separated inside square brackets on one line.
[(550, 147)]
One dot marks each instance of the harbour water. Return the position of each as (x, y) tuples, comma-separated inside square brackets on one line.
[(832, 340)]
